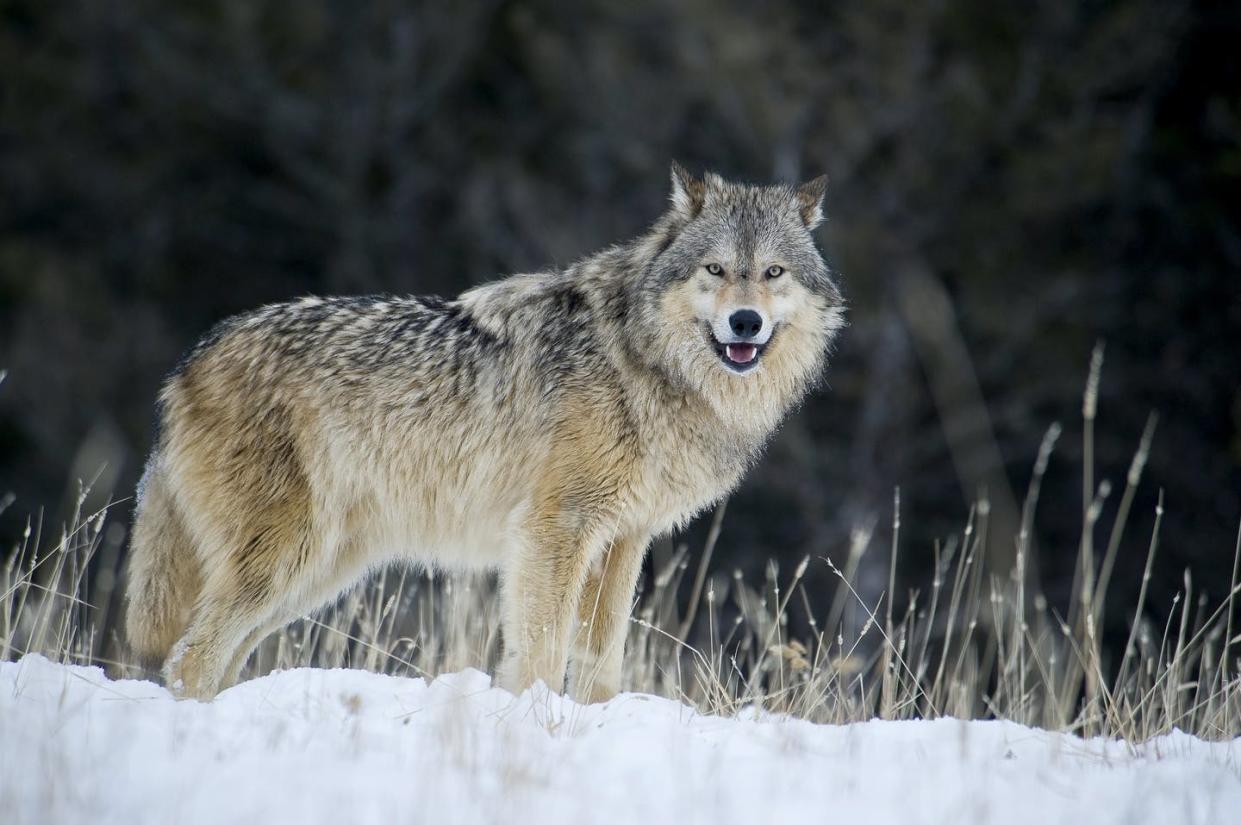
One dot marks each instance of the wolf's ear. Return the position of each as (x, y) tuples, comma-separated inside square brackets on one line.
[(688, 192), (810, 201)]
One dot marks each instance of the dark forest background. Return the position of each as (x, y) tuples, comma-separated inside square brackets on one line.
[(1010, 184)]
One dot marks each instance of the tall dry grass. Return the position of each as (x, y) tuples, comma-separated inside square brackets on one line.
[(968, 644)]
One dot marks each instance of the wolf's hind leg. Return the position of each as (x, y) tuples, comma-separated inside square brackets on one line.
[(246, 593), (603, 616), (197, 667), (303, 595), (270, 625), (241, 655)]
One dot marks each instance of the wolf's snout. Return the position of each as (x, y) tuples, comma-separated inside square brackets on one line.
[(745, 323), (741, 344)]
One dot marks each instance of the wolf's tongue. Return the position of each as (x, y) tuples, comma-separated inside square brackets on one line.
[(740, 353)]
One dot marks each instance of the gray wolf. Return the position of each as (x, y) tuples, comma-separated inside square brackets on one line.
[(546, 426)]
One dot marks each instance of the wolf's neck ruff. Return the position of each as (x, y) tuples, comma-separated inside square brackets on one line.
[(536, 425)]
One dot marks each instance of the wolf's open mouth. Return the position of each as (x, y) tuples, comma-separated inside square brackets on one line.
[(739, 356), (740, 353)]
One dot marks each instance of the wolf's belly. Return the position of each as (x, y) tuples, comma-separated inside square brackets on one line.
[(462, 520), (477, 535), (451, 492)]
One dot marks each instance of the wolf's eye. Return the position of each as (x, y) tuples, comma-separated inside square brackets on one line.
[(775, 271), (715, 269)]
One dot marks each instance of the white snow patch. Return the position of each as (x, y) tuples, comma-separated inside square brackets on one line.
[(343, 746)]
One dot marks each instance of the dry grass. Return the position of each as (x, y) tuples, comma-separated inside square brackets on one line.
[(972, 645)]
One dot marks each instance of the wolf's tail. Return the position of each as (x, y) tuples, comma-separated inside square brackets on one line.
[(165, 576)]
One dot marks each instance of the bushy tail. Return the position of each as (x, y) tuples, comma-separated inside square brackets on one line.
[(164, 573)]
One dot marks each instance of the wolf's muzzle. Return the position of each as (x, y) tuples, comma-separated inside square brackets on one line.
[(745, 323)]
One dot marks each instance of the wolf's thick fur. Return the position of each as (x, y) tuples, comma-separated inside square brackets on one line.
[(544, 425)]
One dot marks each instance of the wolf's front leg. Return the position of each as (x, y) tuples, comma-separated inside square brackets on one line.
[(541, 589), (603, 620)]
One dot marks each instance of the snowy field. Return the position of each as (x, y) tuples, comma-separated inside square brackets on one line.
[(350, 747)]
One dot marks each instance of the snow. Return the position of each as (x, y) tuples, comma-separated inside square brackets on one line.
[(351, 747)]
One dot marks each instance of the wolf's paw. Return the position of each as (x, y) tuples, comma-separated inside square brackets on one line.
[(594, 692), (594, 682), (519, 674), (185, 675), (512, 676)]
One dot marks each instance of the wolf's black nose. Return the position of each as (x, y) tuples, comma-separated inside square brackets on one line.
[(746, 323)]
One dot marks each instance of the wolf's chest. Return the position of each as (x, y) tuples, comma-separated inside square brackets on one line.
[(679, 477)]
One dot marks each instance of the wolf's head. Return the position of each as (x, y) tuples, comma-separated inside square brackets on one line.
[(736, 300)]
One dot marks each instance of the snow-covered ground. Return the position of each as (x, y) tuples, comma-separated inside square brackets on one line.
[(349, 747)]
